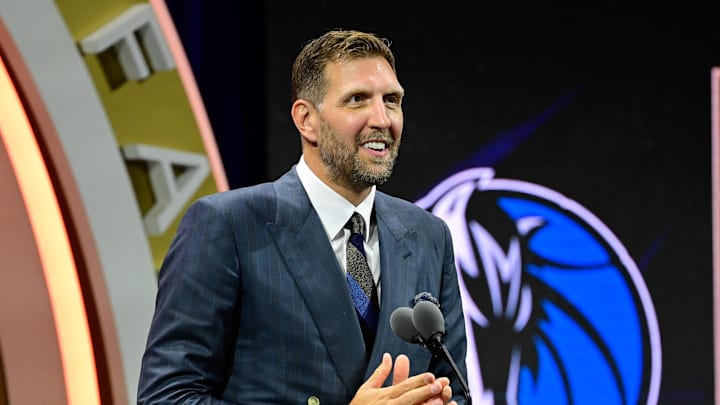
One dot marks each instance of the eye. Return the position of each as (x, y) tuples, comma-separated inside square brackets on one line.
[(393, 99), (356, 99)]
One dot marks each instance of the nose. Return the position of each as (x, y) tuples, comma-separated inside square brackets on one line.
[(379, 115)]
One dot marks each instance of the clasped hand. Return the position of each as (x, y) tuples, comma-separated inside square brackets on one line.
[(422, 389)]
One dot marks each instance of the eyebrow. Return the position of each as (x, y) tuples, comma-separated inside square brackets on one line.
[(399, 93)]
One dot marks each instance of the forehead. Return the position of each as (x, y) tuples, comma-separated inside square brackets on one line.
[(373, 73)]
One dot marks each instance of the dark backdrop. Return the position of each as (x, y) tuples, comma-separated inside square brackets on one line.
[(610, 109)]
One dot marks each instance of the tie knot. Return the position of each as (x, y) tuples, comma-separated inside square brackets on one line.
[(356, 224)]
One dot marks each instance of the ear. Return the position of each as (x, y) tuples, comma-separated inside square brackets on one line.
[(303, 115)]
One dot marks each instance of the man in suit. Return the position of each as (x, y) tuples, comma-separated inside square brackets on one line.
[(254, 303)]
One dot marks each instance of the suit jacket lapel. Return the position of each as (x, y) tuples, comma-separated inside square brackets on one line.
[(319, 277), (397, 279)]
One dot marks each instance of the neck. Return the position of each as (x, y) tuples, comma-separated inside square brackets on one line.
[(354, 196), (354, 193)]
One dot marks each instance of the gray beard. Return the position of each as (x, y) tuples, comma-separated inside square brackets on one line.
[(344, 166)]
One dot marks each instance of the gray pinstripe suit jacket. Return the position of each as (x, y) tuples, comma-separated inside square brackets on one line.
[(252, 305)]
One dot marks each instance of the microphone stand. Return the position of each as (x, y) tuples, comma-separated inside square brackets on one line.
[(438, 349)]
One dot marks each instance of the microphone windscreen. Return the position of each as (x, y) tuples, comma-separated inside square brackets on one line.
[(401, 323), (428, 319)]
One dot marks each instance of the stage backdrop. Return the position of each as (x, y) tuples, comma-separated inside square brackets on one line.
[(569, 151)]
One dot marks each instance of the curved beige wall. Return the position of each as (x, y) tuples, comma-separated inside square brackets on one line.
[(81, 126)]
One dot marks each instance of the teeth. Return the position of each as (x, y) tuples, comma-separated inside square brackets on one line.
[(375, 145)]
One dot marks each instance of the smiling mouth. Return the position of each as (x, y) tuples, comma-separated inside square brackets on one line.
[(375, 146)]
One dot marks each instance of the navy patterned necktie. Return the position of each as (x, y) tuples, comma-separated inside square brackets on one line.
[(360, 280)]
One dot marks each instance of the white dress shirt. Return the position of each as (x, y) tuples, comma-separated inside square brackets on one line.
[(335, 211)]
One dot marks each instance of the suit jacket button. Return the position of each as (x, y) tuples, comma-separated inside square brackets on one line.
[(313, 400)]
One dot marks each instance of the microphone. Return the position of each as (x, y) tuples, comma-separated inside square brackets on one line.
[(401, 320), (428, 329), (401, 323), (428, 320)]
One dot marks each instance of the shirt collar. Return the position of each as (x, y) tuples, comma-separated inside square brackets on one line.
[(332, 208)]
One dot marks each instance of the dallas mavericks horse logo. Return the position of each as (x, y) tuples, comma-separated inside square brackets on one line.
[(556, 310)]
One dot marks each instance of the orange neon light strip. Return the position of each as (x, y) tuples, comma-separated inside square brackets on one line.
[(53, 245)]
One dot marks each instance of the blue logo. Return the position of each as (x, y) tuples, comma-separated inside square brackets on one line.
[(556, 310)]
